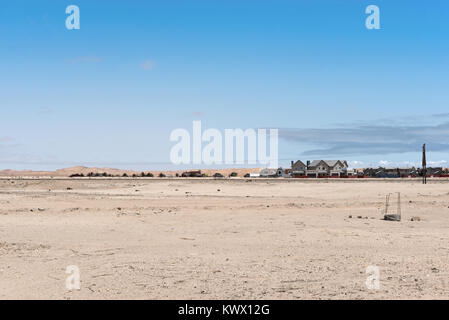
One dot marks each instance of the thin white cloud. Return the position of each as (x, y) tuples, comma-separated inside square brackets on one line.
[(439, 163), (408, 164)]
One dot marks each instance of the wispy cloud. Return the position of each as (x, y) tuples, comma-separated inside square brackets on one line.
[(404, 164), (369, 139), (148, 64), (405, 120), (438, 163)]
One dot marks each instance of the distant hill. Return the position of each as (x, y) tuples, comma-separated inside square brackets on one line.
[(66, 172)]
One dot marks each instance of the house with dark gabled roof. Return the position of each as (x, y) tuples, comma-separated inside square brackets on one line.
[(320, 168), (298, 168)]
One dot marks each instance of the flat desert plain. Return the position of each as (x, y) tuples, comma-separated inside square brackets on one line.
[(222, 239)]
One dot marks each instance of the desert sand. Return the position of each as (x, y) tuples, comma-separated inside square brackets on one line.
[(222, 239)]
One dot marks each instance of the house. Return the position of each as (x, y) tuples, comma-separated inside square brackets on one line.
[(273, 173), (325, 168), (287, 173), (371, 172), (298, 169), (388, 172), (268, 173), (435, 171), (352, 172)]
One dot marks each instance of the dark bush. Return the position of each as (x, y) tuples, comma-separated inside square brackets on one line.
[(76, 175)]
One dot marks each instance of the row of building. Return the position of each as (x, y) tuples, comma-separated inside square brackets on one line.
[(315, 169), (339, 168), (383, 172), (319, 168)]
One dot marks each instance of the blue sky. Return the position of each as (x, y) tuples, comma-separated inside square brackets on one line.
[(110, 93)]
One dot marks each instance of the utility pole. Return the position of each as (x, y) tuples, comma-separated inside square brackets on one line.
[(424, 165)]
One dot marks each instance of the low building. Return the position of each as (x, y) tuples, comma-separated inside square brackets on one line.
[(273, 173), (287, 173), (268, 173), (435, 171), (391, 172), (352, 172)]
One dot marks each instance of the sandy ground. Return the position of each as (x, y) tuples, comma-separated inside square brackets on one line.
[(222, 239)]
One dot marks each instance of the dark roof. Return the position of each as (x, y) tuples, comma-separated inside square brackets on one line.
[(330, 163), (299, 162)]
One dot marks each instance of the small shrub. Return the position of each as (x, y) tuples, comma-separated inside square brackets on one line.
[(76, 175)]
